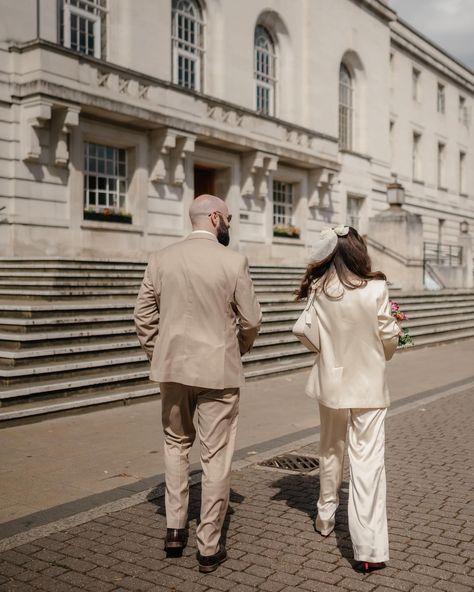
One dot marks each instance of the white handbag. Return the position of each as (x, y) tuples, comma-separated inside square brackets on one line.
[(306, 327)]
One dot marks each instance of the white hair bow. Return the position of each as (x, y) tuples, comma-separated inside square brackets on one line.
[(327, 242)]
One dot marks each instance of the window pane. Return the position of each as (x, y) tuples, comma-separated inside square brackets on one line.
[(345, 108), (187, 43), (101, 189)]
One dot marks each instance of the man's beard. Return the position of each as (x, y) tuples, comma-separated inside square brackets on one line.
[(223, 234)]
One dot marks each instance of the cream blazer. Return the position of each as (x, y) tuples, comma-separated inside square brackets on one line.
[(358, 334), (192, 295)]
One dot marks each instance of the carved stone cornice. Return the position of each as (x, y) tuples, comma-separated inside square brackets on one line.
[(321, 181), (170, 147), (256, 168), (39, 114)]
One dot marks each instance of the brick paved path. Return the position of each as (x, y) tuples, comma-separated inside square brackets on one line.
[(270, 538)]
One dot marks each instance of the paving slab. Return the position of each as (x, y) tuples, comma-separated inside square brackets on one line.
[(269, 526), (114, 451)]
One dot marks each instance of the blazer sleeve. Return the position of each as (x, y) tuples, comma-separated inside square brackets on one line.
[(248, 309), (147, 314), (388, 328)]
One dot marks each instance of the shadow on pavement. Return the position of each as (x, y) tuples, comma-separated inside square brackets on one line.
[(301, 492), (195, 507)]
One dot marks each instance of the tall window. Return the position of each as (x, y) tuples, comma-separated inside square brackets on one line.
[(354, 210), (441, 165), (345, 108), (83, 25), (265, 71), (105, 182), (441, 104), (392, 141), (462, 173), (463, 112), (188, 44), (416, 157), (441, 224), (415, 80), (282, 203)]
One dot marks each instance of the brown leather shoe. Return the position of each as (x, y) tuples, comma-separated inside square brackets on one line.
[(175, 541), (208, 563)]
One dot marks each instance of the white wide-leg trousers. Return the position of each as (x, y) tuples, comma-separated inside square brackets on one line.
[(365, 432), (217, 414)]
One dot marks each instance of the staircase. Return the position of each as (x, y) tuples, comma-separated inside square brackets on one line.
[(67, 339)]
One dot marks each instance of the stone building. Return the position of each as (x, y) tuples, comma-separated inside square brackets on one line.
[(114, 114)]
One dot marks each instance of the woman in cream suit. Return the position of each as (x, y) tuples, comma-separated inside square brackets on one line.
[(357, 335)]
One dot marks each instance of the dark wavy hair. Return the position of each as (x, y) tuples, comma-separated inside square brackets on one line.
[(350, 261)]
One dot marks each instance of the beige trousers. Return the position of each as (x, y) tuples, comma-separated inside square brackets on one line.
[(217, 412), (365, 433)]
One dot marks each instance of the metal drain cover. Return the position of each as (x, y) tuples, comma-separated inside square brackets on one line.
[(292, 462)]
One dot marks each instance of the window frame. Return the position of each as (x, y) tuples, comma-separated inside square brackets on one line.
[(441, 165), (463, 113), (346, 109), (118, 207), (97, 16), (441, 99), (462, 172), (416, 84), (265, 81), (285, 189), (417, 171), (191, 53)]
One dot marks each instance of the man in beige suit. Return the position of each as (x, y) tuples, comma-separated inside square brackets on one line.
[(196, 315)]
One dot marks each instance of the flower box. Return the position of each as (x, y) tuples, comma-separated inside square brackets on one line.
[(108, 216), (286, 231)]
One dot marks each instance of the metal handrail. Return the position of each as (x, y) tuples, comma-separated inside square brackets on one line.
[(442, 254)]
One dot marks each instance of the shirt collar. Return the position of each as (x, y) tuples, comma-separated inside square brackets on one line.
[(203, 231)]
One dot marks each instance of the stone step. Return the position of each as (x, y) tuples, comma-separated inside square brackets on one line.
[(24, 339), (31, 410), (439, 337), (42, 354), (35, 409), (433, 327), (67, 338), (16, 337), (61, 385), (64, 284), (271, 308), (66, 293), (38, 324), (26, 411), (70, 274), (96, 378), (86, 363)]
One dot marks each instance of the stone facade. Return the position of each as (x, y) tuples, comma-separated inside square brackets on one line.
[(203, 132)]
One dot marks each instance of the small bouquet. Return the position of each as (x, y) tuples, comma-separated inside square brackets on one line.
[(405, 339)]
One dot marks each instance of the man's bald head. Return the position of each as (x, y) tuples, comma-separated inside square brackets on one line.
[(204, 205)]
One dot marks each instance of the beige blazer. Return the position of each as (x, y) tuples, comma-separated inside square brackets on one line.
[(357, 335), (186, 313)]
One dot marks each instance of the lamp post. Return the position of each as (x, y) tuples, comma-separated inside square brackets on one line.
[(395, 194)]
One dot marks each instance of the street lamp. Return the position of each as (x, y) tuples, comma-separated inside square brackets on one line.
[(395, 194), (464, 227)]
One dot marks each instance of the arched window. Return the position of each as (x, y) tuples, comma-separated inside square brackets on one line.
[(346, 108), (265, 71), (188, 44)]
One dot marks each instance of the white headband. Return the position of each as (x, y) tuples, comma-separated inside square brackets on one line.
[(327, 242)]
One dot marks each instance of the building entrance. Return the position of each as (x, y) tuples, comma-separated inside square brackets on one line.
[(204, 181)]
